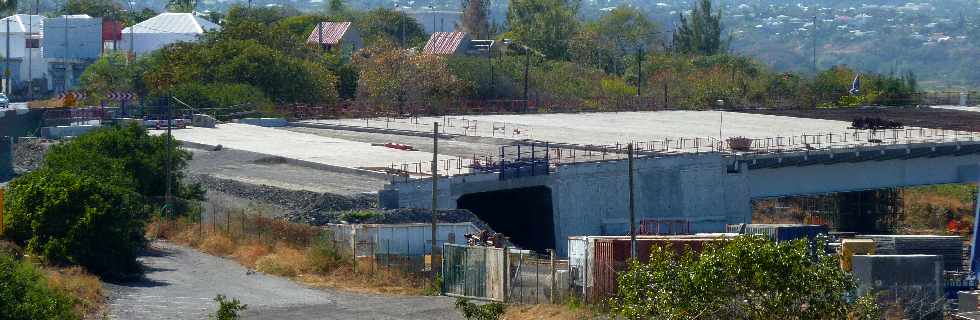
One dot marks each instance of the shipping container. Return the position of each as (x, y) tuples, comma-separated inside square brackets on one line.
[(595, 261), (780, 232)]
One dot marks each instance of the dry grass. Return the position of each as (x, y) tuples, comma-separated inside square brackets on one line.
[(284, 261), (249, 254), (217, 244), (547, 312), (293, 255), (79, 284)]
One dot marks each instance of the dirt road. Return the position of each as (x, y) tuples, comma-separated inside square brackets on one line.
[(180, 283)]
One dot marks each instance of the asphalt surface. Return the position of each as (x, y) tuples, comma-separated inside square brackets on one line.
[(181, 283)]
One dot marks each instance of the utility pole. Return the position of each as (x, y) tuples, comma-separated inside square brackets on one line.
[(639, 70), (632, 204), (170, 139), (67, 66), (6, 63), (435, 195), (493, 88), (30, 33), (527, 66), (132, 8), (813, 35)]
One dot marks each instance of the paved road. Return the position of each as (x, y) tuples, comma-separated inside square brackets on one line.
[(180, 283)]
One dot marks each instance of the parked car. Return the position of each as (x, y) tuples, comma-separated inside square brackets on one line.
[(4, 101)]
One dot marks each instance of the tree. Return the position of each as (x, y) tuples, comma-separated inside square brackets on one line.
[(387, 25), (181, 5), (612, 40), (700, 33), (8, 6), (391, 78), (126, 156), (475, 18), (111, 72), (66, 219), (746, 278), (545, 25)]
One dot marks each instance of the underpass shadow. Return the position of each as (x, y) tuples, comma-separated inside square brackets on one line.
[(140, 280)]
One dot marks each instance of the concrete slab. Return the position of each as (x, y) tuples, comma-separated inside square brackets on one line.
[(307, 147), (958, 108), (608, 128)]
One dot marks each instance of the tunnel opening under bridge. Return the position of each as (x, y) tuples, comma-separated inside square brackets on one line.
[(523, 214)]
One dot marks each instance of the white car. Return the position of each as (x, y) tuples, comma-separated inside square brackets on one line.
[(4, 101)]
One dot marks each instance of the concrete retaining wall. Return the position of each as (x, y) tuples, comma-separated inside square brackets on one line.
[(264, 122), (66, 131)]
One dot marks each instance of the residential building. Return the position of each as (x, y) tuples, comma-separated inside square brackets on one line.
[(71, 43), (163, 29), (24, 51), (336, 35), (450, 43)]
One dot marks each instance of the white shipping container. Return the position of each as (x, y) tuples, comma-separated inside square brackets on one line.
[(410, 239)]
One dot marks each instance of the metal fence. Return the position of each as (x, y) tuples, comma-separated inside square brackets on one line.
[(505, 274)]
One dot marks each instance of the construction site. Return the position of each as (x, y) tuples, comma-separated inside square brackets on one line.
[(552, 196)]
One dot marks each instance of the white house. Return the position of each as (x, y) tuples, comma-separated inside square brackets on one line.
[(26, 60), (164, 29)]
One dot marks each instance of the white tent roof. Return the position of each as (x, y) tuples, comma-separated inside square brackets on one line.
[(170, 22), (19, 23)]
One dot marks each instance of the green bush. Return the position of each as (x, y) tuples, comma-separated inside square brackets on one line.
[(746, 278), (227, 309), (472, 311), (126, 156), (69, 219), (25, 294), (323, 256)]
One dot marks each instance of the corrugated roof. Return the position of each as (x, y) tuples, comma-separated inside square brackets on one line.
[(19, 23), (332, 32), (172, 22), (444, 42)]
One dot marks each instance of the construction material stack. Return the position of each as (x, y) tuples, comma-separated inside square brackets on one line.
[(949, 247), (779, 232)]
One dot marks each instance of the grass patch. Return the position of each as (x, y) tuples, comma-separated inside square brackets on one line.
[(85, 287), (301, 252), (547, 311)]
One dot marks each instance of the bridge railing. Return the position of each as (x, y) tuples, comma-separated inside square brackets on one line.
[(558, 154)]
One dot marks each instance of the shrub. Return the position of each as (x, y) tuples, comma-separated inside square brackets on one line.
[(69, 219), (322, 256), (747, 278), (227, 309), (472, 311), (25, 294)]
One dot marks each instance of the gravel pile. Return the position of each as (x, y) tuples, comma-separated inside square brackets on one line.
[(294, 201), (322, 208), (393, 216), (29, 153)]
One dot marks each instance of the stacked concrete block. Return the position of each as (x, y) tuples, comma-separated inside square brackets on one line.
[(917, 278)]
